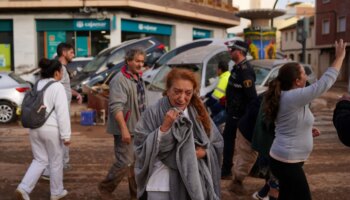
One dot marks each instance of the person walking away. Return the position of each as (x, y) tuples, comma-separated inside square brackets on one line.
[(127, 101), (65, 54), (240, 92), (47, 141), (287, 104)]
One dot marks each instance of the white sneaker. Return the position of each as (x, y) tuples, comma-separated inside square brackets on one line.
[(60, 196), (45, 177), (256, 196), (21, 194)]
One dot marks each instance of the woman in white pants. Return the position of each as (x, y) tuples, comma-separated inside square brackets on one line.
[(48, 140)]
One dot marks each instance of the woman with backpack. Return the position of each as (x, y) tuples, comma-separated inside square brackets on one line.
[(47, 141)]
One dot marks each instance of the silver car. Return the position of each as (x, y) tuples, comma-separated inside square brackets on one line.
[(12, 91), (203, 61), (267, 70)]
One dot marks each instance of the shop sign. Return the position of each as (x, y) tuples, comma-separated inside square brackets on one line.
[(90, 24), (6, 25), (5, 57), (201, 33), (53, 39), (146, 27), (82, 46)]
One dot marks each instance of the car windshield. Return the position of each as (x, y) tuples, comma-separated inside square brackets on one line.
[(160, 78), (98, 60), (261, 73)]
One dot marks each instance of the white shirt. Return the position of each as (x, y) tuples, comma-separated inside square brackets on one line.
[(55, 97), (159, 180)]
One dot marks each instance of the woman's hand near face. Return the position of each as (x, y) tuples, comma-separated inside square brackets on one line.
[(200, 152), (169, 119)]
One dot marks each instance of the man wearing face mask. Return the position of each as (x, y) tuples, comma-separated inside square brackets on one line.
[(240, 92), (127, 101)]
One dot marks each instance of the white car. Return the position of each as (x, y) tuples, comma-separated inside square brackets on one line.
[(202, 60), (267, 70), (149, 75), (12, 91)]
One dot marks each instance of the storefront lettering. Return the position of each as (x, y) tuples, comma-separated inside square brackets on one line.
[(147, 27), (91, 24), (198, 33)]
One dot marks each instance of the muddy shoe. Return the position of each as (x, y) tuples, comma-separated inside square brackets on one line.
[(258, 197), (105, 195), (20, 194), (238, 188)]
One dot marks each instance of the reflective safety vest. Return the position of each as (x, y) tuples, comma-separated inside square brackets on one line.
[(220, 89)]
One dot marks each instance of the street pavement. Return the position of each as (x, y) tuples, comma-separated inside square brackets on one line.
[(92, 154)]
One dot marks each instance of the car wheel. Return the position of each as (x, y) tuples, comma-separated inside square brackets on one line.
[(7, 112)]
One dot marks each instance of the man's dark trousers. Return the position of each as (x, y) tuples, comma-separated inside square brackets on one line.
[(229, 144)]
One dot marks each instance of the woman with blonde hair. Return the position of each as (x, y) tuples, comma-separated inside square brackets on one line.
[(178, 148)]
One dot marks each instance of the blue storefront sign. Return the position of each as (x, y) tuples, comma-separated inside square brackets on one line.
[(5, 25), (91, 25), (82, 46), (53, 39), (72, 25), (146, 27), (201, 33)]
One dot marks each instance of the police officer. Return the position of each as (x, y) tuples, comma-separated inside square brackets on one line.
[(240, 92)]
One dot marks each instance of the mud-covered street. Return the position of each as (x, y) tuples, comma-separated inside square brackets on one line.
[(91, 154)]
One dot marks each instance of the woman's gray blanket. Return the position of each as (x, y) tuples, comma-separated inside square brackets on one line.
[(190, 178)]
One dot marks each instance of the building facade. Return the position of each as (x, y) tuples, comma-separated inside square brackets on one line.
[(332, 23), (31, 29), (293, 49)]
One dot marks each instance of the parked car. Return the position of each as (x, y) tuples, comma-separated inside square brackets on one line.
[(267, 70), (149, 74), (202, 60), (77, 65), (12, 91), (112, 59)]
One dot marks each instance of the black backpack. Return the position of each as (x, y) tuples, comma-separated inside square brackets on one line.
[(33, 110)]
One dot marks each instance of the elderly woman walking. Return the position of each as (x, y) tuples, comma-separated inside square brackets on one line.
[(178, 148)]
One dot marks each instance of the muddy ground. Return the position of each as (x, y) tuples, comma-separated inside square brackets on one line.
[(327, 170)]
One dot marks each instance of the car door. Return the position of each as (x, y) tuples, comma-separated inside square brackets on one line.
[(209, 76)]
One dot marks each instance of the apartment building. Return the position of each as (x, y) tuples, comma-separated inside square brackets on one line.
[(293, 49), (31, 29), (332, 23)]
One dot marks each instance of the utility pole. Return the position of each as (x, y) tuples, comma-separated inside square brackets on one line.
[(302, 34), (274, 6)]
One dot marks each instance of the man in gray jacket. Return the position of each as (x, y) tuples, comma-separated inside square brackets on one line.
[(127, 100)]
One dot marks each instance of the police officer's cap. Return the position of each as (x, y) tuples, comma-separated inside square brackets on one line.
[(243, 46)]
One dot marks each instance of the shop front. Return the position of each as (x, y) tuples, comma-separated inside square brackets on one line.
[(132, 29), (201, 34), (6, 45), (88, 36)]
